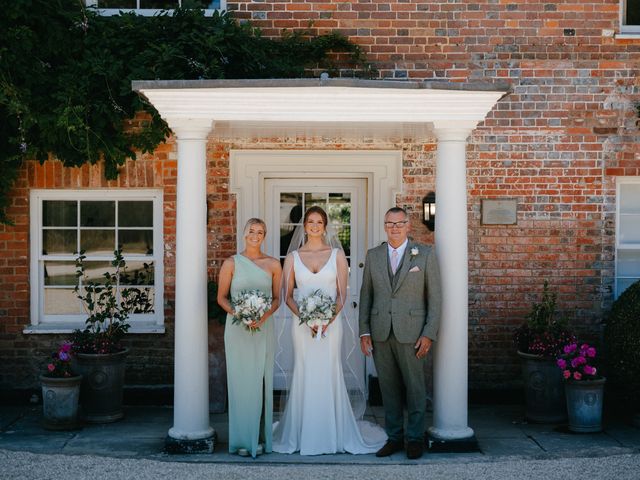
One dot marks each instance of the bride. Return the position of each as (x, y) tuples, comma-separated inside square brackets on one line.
[(318, 414)]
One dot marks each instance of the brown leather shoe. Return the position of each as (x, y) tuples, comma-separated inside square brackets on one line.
[(414, 450), (389, 448)]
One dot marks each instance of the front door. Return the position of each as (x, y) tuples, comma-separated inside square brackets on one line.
[(345, 201)]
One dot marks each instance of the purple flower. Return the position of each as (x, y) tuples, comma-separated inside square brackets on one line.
[(562, 363), (66, 347), (589, 370), (570, 348), (63, 356), (591, 352)]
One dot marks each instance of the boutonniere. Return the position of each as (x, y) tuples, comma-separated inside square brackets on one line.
[(414, 252)]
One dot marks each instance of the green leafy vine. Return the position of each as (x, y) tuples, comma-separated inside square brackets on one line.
[(66, 72)]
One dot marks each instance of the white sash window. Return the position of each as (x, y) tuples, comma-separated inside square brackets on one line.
[(627, 233), (153, 7)]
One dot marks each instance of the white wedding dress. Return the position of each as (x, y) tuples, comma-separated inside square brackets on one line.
[(318, 418)]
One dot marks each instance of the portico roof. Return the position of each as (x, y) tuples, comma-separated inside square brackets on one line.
[(323, 106)]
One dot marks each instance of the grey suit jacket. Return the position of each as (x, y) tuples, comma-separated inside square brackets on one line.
[(410, 302)]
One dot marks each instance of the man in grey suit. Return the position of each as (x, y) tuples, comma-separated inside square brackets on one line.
[(400, 304)]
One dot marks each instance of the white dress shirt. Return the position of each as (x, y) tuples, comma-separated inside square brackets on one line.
[(400, 250)]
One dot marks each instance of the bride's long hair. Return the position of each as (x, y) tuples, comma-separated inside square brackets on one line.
[(285, 321)]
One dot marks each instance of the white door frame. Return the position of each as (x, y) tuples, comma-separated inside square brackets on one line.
[(382, 168)]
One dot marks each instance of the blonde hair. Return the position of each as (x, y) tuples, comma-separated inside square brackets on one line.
[(255, 221)]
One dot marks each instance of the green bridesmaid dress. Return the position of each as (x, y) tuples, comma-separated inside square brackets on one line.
[(250, 359)]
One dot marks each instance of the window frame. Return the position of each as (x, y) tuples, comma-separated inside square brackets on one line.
[(632, 246), (147, 12), (66, 323), (632, 30)]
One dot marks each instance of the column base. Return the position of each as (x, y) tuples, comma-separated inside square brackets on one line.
[(179, 446), (456, 445)]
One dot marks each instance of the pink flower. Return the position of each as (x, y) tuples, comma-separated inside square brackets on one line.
[(589, 370), (65, 347), (577, 375), (591, 352), (51, 367), (566, 374), (570, 348), (562, 363)]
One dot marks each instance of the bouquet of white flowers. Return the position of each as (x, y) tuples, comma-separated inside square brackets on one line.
[(249, 306), (316, 310)]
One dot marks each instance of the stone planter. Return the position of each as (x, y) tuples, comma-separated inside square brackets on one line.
[(544, 389), (60, 402), (102, 385), (584, 405)]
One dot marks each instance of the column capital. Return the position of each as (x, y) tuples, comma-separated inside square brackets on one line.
[(190, 128), (447, 131)]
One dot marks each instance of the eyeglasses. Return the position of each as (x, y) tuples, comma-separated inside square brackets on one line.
[(395, 224)]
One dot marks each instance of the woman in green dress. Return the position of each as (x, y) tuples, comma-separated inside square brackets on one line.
[(250, 343)]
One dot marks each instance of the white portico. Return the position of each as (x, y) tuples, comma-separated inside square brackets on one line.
[(364, 109)]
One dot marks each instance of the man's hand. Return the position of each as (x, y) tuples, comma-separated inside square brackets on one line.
[(366, 345), (423, 345)]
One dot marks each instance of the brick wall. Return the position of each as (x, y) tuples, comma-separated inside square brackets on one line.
[(556, 143)]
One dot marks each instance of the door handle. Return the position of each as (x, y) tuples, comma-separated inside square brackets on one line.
[(354, 304), (361, 264)]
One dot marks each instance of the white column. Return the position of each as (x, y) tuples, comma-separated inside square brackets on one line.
[(450, 383), (191, 430)]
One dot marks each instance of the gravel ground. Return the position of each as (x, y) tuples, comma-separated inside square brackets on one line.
[(27, 466)]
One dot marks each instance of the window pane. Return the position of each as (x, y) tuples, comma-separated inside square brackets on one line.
[(629, 229), (286, 234), (136, 241), (624, 283), (98, 242), (61, 301), (135, 214), (59, 242), (290, 207), (117, 3), (94, 271), (339, 209), (97, 214), (59, 213), (164, 4), (344, 235), (313, 199), (633, 12), (628, 263), (136, 274), (630, 198), (60, 273)]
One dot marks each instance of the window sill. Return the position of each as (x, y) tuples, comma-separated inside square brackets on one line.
[(628, 36), (53, 328)]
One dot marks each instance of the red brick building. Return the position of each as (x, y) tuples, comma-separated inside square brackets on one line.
[(561, 145)]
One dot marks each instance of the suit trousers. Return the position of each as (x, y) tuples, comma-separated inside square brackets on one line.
[(401, 378)]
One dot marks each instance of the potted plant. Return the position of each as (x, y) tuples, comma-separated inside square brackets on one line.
[(539, 341), (60, 391), (99, 352), (622, 342), (584, 387)]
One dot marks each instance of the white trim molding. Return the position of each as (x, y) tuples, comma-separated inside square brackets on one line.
[(66, 323), (382, 168)]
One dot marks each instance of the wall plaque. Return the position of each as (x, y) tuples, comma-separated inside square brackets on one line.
[(499, 212)]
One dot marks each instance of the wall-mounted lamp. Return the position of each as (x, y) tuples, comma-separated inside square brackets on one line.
[(429, 210)]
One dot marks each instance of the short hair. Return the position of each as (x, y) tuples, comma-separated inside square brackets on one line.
[(320, 211), (255, 221), (397, 210)]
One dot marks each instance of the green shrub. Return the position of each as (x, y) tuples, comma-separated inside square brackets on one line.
[(622, 341)]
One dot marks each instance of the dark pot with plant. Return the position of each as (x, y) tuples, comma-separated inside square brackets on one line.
[(100, 355), (622, 343), (540, 341), (60, 391)]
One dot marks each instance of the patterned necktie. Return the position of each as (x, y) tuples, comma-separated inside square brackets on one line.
[(394, 261)]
